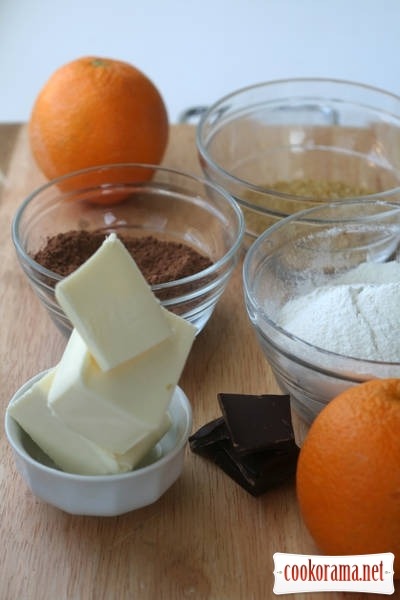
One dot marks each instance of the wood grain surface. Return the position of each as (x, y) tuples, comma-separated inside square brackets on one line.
[(206, 538)]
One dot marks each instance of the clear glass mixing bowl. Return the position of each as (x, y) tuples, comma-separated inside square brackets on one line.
[(292, 258), (283, 146), (171, 206)]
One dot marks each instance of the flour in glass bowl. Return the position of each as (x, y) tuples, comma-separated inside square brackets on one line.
[(357, 314)]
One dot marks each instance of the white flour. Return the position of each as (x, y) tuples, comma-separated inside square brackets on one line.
[(357, 315)]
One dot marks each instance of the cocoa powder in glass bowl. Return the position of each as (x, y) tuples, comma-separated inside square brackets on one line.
[(159, 260), (184, 233)]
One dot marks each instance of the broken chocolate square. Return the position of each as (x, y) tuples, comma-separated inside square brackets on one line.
[(253, 464), (265, 470), (203, 442), (257, 422)]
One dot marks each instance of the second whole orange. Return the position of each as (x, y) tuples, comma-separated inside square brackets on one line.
[(348, 473)]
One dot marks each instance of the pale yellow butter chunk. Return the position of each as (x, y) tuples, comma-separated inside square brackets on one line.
[(68, 450), (112, 306), (118, 408), (134, 455)]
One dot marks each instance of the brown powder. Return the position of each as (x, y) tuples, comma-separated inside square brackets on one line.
[(159, 260)]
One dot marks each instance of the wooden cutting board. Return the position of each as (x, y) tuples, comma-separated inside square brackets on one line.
[(206, 538)]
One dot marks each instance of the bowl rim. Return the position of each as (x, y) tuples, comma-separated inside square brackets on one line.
[(215, 106), (215, 266), (255, 306), (136, 472)]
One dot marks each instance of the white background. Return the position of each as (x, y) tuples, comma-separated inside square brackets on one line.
[(196, 51)]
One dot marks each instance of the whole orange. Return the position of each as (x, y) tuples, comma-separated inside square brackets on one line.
[(348, 473), (94, 111)]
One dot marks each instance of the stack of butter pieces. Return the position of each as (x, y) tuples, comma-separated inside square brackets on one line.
[(105, 404)]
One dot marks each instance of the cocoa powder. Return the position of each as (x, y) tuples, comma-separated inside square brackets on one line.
[(159, 260)]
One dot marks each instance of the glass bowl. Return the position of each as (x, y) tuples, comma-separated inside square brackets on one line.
[(294, 257), (283, 146), (171, 206), (103, 495)]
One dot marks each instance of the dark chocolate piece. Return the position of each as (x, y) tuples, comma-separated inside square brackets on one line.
[(256, 471), (257, 423), (231, 468), (265, 470), (203, 442)]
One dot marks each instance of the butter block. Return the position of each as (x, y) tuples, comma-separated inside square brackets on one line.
[(68, 450), (109, 302), (132, 457), (118, 408)]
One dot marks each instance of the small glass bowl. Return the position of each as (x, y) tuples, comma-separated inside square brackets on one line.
[(171, 206), (283, 146), (103, 495), (292, 258)]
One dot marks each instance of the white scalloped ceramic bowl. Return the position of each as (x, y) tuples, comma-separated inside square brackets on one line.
[(108, 495)]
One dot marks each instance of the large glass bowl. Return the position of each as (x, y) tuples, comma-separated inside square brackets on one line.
[(292, 258), (283, 146), (171, 206)]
